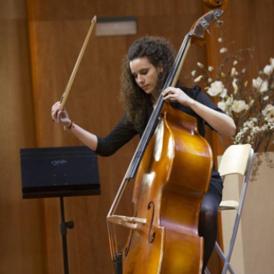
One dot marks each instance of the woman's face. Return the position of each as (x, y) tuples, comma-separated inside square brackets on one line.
[(145, 74)]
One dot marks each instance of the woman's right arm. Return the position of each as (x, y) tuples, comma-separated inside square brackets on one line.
[(61, 117)]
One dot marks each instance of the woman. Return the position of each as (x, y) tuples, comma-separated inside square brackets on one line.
[(145, 69)]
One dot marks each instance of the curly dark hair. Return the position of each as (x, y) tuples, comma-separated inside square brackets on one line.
[(136, 102)]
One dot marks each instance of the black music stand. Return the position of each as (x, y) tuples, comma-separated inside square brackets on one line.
[(59, 172)]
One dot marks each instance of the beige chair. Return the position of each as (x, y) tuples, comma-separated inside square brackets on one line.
[(237, 159)]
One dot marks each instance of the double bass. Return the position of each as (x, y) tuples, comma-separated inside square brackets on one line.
[(171, 170)]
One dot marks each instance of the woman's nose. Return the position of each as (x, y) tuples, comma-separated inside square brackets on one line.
[(140, 79)]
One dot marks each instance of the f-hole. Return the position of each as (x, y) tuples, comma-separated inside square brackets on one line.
[(151, 233)]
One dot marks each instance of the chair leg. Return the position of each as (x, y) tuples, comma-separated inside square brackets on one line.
[(223, 258), (235, 228), (231, 245), (219, 251)]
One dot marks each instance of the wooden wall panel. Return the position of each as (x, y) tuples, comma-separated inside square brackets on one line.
[(21, 221), (249, 25), (57, 31)]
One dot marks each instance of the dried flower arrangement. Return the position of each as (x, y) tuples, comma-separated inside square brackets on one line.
[(248, 102)]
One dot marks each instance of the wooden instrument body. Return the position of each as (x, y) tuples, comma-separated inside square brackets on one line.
[(172, 178)]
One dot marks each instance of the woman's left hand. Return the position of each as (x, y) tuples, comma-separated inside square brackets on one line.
[(176, 95)]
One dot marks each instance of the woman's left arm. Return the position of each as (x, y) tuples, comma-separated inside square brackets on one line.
[(221, 122)]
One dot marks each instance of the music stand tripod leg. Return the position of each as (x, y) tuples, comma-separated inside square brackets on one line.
[(64, 226)]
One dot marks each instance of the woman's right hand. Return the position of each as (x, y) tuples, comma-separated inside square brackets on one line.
[(60, 116)]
